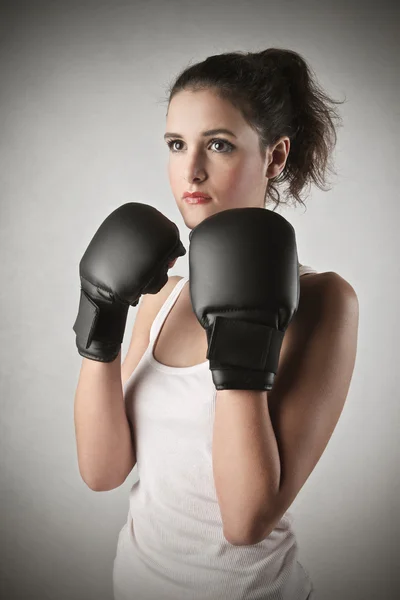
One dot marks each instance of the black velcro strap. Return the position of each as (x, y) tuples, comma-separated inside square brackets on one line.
[(245, 344), (86, 321)]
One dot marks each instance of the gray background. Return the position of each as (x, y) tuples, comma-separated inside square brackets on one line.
[(81, 125)]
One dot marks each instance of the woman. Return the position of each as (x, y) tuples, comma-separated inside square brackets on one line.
[(220, 465)]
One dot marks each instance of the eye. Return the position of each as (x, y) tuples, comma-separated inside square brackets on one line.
[(170, 144)]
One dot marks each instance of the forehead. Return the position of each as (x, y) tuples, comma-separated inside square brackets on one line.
[(192, 109)]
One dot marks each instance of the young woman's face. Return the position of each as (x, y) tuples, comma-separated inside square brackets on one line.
[(227, 167)]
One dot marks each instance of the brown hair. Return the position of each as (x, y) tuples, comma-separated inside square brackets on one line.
[(277, 96)]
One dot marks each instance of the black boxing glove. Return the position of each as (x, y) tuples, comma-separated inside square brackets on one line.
[(245, 287), (128, 256)]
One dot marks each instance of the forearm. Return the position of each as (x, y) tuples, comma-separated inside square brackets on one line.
[(246, 462), (103, 436)]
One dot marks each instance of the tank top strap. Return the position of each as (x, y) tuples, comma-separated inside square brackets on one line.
[(165, 308)]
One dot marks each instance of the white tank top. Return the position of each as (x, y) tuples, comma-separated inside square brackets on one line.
[(172, 545)]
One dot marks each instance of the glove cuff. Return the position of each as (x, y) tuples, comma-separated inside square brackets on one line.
[(253, 348), (241, 379), (100, 327)]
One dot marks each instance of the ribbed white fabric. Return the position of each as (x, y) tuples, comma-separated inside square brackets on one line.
[(172, 546)]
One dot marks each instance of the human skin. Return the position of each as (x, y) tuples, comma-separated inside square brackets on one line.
[(229, 169)]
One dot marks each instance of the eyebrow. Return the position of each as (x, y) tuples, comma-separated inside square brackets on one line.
[(204, 134)]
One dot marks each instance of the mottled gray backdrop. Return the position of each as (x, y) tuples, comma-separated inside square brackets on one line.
[(82, 116)]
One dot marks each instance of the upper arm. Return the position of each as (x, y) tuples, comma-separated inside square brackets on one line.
[(312, 382)]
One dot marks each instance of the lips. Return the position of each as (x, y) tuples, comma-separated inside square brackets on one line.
[(195, 194), (196, 197)]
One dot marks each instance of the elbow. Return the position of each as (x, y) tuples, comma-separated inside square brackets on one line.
[(106, 484), (96, 487), (102, 486), (253, 535), (239, 539)]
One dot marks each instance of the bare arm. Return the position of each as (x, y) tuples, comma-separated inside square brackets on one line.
[(103, 435), (105, 441)]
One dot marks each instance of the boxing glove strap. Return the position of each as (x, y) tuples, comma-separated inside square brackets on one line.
[(103, 322), (244, 344)]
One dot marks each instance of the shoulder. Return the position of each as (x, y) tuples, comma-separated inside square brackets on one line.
[(327, 282), (337, 287), (163, 294), (173, 280), (151, 303), (326, 295)]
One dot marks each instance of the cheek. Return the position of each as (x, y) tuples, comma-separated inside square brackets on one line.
[(174, 177), (236, 178)]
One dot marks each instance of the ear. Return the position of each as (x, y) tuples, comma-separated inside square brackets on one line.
[(277, 157)]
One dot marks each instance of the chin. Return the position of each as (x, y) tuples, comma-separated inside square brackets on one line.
[(192, 222), (192, 218)]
